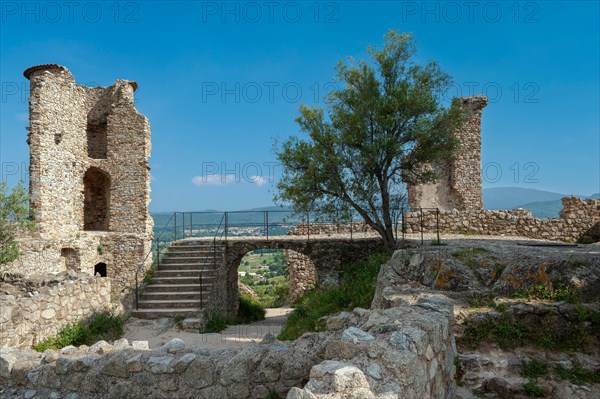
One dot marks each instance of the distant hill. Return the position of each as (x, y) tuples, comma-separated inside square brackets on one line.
[(544, 209), (516, 197), (542, 204)]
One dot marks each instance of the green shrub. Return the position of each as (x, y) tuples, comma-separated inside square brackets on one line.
[(533, 369), (532, 390), (577, 375), (249, 310), (216, 323), (356, 289), (557, 293), (104, 326)]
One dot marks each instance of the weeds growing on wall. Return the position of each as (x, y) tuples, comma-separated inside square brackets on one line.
[(356, 289), (104, 326)]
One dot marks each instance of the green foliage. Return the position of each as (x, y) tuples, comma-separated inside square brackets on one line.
[(533, 369), (179, 321), (14, 214), (273, 296), (101, 249), (272, 394), (503, 331), (584, 315), (249, 310), (533, 390), (356, 289), (106, 326), (547, 292), (216, 323), (577, 375), (385, 122), (150, 274)]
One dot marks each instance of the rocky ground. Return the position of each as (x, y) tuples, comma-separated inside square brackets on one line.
[(517, 334), (158, 332)]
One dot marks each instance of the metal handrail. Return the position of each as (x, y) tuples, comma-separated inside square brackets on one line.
[(141, 265)]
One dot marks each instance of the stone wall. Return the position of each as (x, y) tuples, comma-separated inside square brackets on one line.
[(579, 218), (303, 275), (331, 229), (89, 179), (459, 178), (35, 309), (401, 352)]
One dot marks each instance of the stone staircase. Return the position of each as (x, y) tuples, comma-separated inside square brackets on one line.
[(175, 287)]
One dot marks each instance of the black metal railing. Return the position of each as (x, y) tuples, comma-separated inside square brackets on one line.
[(156, 244)]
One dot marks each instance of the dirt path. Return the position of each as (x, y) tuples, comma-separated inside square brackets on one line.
[(161, 331)]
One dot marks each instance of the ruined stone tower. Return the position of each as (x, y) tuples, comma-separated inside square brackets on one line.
[(89, 176), (459, 183)]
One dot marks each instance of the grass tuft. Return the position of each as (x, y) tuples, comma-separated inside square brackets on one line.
[(104, 326)]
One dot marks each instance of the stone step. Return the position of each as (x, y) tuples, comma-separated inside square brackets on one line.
[(186, 244), (174, 295), (189, 261), (192, 254), (154, 288), (191, 266), (168, 304), (160, 313), (181, 280), (162, 273)]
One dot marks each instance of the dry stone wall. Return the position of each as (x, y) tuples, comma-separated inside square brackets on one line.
[(579, 219), (35, 309), (303, 275), (401, 352)]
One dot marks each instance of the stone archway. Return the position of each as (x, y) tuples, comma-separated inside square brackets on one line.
[(96, 187)]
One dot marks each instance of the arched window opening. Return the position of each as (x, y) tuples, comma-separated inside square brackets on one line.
[(96, 200), (100, 270)]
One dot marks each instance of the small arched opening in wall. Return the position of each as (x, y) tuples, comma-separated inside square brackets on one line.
[(96, 185), (263, 274), (71, 258), (100, 269)]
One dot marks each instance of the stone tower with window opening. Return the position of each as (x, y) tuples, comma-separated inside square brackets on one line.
[(459, 179), (89, 177)]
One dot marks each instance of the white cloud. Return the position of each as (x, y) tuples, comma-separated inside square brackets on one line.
[(258, 180), (213, 180)]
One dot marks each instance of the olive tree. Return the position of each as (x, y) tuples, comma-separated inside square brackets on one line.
[(384, 125)]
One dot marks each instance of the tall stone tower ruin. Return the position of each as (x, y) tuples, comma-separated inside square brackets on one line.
[(89, 175), (459, 183)]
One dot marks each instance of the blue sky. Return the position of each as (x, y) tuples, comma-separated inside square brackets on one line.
[(220, 81)]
